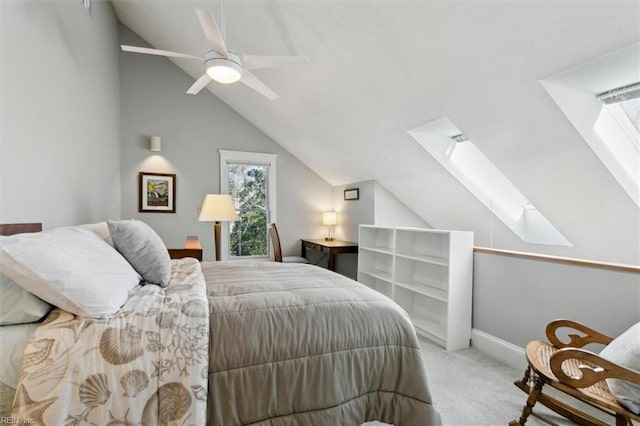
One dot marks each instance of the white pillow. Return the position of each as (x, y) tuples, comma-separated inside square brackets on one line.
[(71, 268), (624, 350), (99, 228), (17, 305)]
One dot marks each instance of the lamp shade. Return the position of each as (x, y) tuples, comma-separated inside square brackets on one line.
[(192, 242), (329, 218), (218, 207)]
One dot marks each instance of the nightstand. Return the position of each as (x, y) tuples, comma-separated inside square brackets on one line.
[(191, 248)]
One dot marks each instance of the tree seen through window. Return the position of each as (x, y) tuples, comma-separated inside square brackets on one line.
[(248, 189)]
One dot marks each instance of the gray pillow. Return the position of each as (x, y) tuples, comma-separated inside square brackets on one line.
[(17, 305), (143, 248), (625, 351)]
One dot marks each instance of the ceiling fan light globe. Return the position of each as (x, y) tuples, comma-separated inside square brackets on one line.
[(224, 74)]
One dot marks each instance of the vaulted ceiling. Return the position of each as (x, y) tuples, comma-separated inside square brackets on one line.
[(378, 69)]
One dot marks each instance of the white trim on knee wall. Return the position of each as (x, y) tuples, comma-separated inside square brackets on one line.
[(501, 350)]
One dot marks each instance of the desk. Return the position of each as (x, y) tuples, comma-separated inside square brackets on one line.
[(332, 247)]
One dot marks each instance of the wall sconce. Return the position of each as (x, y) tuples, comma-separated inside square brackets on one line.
[(329, 219), (155, 143)]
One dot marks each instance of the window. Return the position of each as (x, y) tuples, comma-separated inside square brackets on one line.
[(444, 141), (601, 98), (250, 180), (631, 109), (617, 125)]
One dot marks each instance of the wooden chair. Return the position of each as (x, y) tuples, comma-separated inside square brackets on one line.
[(576, 372), (277, 250)]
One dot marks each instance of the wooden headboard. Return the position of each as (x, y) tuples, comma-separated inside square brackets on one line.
[(19, 228)]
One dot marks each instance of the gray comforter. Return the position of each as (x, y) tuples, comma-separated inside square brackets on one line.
[(294, 344)]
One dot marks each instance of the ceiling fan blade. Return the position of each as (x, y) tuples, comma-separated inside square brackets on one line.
[(211, 31), (252, 81), (158, 52), (199, 84), (255, 62)]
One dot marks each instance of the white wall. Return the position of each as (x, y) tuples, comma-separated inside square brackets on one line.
[(193, 129), (59, 113), (389, 211)]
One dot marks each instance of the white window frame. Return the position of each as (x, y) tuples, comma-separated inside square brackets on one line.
[(256, 158)]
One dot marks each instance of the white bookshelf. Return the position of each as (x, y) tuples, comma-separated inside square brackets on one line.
[(375, 256), (427, 272)]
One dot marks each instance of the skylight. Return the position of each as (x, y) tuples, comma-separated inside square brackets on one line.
[(601, 98), (617, 127), (624, 106), (444, 141), (631, 108)]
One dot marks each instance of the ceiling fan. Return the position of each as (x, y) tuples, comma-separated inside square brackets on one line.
[(223, 65)]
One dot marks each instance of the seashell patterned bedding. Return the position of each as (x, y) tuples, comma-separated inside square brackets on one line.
[(144, 365)]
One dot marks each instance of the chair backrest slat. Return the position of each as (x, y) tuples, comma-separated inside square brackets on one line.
[(275, 242)]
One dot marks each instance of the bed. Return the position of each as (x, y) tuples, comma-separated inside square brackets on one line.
[(224, 343)]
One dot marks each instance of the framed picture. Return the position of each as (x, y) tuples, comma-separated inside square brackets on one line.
[(352, 194), (157, 192)]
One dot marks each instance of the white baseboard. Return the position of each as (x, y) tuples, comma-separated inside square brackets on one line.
[(501, 350)]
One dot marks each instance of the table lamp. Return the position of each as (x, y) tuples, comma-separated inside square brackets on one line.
[(329, 219), (217, 208)]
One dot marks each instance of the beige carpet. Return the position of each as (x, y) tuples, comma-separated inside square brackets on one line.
[(469, 388)]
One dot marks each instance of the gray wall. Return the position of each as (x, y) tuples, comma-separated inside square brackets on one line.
[(514, 299), (59, 113), (193, 129), (353, 213), (375, 206)]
